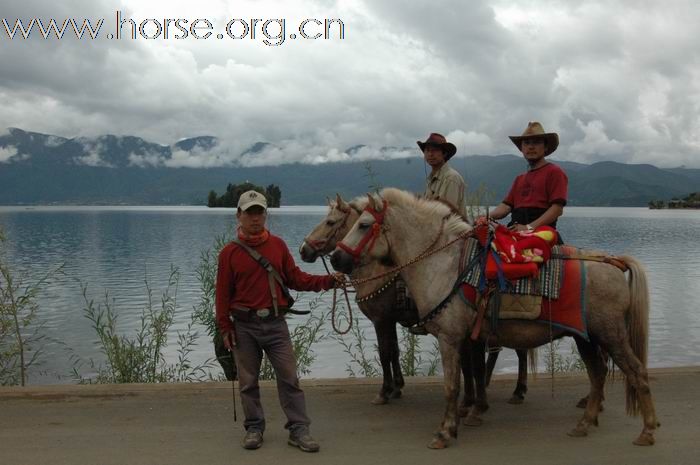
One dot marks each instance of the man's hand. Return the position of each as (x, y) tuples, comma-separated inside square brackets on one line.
[(229, 340), (519, 227), (339, 279)]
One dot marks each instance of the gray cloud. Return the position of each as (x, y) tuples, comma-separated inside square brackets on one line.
[(618, 80)]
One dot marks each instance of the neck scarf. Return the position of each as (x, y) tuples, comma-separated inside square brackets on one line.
[(253, 240)]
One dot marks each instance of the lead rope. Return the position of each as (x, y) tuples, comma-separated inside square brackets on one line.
[(335, 303), (551, 348)]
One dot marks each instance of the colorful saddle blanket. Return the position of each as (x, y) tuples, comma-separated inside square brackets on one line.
[(546, 279), (561, 282)]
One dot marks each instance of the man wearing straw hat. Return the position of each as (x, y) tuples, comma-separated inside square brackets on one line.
[(538, 196)]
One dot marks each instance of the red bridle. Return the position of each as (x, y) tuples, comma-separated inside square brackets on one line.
[(318, 245), (370, 236)]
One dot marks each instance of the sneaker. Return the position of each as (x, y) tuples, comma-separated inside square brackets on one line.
[(418, 330), (303, 440), (252, 440)]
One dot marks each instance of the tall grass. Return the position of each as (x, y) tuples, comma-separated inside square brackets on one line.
[(140, 358), (20, 330)]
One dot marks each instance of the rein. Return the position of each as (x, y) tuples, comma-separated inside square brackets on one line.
[(317, 246)]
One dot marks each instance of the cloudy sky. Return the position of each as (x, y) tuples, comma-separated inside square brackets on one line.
[(618, 80)]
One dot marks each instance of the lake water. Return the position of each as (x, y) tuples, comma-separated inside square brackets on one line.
[(113, 248)]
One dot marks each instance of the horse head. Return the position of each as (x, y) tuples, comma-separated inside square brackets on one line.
[(365, 241), (323, 237)]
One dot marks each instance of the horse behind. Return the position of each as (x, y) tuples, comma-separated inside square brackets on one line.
[(378, 300), (404, 228)]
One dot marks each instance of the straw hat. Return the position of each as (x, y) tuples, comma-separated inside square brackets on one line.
[(535, 130)]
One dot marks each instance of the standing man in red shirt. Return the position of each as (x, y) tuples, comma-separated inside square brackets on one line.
[(250, 307), (538, 196)]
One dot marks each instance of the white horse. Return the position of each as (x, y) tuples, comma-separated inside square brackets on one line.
[(397, 226)]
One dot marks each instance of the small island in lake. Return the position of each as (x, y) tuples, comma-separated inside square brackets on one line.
[(691, 201), (229, 199)]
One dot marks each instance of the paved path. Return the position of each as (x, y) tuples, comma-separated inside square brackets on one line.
[(193, 424)]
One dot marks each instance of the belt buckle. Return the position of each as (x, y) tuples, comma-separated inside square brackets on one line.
[(263, 312)]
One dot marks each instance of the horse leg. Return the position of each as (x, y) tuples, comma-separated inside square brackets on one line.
[(395, 363), (383, 330), (478, 354), (449, 352), (491, 362), (597, 371), (521, 386), (584, 400), (637, 390), (465, 359)]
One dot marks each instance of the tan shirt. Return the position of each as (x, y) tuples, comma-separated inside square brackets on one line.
[(447, 185)]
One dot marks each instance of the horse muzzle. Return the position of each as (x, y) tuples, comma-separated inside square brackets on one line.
[(342, 261), (308, 253)]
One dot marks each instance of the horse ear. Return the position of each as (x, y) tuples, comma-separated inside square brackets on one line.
[(371, 203), (328, 200), (342, 205), (378, 202)]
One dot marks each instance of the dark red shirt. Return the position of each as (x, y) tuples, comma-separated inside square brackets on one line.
[(242, 282), (539, 188)]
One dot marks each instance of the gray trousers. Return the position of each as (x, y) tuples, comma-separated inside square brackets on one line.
[(272, 337)]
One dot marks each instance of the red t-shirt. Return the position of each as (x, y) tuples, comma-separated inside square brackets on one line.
[(242, 282), (538, 188)]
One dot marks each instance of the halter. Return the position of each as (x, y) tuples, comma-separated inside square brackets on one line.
[(317, 245), (370, 236)]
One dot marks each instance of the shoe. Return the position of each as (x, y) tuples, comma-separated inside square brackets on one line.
[(418, 330), (252, 440), (303, 440)]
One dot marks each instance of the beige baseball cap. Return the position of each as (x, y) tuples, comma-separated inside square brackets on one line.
[(251, 198)]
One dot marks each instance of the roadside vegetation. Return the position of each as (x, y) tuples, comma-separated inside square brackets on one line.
[(21, 336)]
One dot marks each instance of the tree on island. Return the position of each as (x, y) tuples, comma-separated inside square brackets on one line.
[(691, 201), (229, 199)]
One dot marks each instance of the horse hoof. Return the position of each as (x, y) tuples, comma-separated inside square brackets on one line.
[(644, 439), (463, 411), (438, 442), (396, 394), (472, 420), (380, 400), (516, 400), (582, 402), (578, 432)]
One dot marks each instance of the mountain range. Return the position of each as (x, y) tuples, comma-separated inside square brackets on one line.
[(40, 168)]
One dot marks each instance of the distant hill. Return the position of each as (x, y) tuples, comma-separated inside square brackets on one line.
[(39, 168)]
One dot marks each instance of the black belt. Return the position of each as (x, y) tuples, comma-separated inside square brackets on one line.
[(249, 314)]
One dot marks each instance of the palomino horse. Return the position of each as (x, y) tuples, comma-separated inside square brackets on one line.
[(378, 299), (407, 230)]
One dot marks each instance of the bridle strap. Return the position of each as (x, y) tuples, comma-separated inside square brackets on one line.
[(370, 236)]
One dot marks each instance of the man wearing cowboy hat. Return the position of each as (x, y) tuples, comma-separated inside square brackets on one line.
[(538, 196), (444, 183)]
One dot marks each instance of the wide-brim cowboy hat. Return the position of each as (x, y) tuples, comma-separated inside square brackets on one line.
[(438, 140), (535, 130)]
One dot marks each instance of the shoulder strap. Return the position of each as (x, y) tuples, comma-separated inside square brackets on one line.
[(272, 274)]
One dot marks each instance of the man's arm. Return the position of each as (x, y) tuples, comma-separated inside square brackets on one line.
[(501, 211), (301, 281), (548, 217), (453, 194), (223, 299)]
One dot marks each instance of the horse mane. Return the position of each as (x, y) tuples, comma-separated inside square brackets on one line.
[(429, 211)]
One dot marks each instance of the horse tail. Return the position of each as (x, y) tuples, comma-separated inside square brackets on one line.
[(637, 324)]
